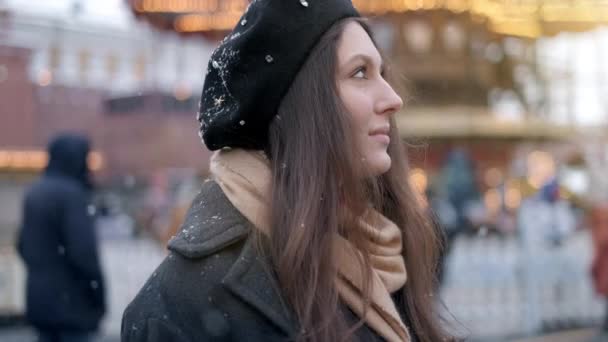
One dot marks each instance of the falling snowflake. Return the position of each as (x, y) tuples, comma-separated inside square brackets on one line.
[(269, 58), (304, 3), (242, 122), (219, 100)]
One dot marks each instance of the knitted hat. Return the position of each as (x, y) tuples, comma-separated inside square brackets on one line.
[(250, 72)]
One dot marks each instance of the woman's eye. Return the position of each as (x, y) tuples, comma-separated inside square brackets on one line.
[(360, 73)]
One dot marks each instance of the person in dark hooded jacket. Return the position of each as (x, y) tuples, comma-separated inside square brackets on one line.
[(65, 289)]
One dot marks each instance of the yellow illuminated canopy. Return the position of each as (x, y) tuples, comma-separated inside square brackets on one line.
[(36, 160), (524, 18)]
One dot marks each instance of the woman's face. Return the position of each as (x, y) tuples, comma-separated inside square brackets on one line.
[(367, 96)]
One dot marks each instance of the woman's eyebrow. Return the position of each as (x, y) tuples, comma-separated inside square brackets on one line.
[(366, 58)]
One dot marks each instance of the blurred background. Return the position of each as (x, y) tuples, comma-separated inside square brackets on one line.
[(506, 121)]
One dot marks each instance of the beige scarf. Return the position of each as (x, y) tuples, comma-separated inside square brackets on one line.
[(245, 177)]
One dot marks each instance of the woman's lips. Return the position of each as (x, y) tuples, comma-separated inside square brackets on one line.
[(381, 137), (380, 134)]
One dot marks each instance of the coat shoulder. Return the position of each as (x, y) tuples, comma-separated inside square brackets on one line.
[(211, 224), (213, 285), (56, 188), (182, 299)]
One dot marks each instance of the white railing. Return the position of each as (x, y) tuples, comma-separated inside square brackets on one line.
[(486, 288), (493, 291)]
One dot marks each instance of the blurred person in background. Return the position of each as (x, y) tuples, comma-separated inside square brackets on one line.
[(455, 201), (544, 221), (65, 288), (307, 230)]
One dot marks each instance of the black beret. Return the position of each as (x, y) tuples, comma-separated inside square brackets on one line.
[(252, 69)]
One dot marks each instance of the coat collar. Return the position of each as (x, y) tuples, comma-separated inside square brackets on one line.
[(213, 223), (251, 279)]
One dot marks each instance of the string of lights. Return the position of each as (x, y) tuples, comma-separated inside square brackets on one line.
[(531, 18)]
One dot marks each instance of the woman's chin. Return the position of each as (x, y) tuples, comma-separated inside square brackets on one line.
[(380, 163)]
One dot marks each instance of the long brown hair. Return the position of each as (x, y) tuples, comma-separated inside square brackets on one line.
[(317, 173)]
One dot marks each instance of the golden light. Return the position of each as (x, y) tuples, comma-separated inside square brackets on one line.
[(182, 5), (199, 22), (541, 168), (23, 160), (32, 160), (20, 160), (456, 6), (419, 181), (512, 195), (493, 177), (4, 159), (182, 92), (45, 77), (530, 18), (38, 160), (492, 200), (95, 161)]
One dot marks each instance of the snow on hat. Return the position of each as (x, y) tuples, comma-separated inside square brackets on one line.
[(251, 70)]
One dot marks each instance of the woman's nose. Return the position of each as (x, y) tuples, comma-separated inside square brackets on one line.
[(389, 102)]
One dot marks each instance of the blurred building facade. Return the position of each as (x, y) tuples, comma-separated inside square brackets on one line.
[(133, 91), (459, 63)]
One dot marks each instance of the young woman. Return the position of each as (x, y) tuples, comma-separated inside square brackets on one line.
[(307, 229)]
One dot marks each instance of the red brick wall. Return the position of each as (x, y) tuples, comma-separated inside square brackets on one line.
[(59, 109), (139, 143), (16, 99)]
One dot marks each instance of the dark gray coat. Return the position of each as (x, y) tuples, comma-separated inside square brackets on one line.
[(213, 286)]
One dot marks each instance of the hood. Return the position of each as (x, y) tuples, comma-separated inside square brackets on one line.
[(68, 158)]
